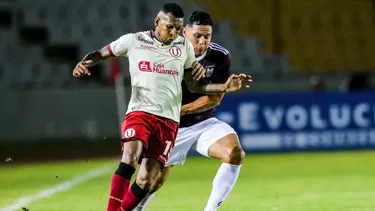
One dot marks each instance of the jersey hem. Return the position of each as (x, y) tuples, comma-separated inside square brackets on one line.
[(157, 115)]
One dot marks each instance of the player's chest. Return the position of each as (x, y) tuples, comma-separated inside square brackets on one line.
[(173, 55), (161, 62)]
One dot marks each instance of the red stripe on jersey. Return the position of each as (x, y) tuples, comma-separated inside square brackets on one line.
[(110, 50)]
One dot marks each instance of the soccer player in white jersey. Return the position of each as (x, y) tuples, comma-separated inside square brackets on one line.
[(199, 129), (158, 62)]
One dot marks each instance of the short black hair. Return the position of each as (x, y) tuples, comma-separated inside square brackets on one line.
[(173, 9), (200, 18)]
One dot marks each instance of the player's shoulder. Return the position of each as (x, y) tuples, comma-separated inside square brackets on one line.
[(143, 33), (218, 49), (127, 38), (180, 40), (182, 43), (144, 36)]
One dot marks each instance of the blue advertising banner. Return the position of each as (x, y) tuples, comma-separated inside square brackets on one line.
[(301, 121)]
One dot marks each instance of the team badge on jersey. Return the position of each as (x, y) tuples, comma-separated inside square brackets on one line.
[(129, 133), (209, 70), (175, 51)]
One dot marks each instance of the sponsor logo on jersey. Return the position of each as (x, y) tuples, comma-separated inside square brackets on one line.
[(159, 68), (179, 43), (144, 66), (141, 39), (149, 47), (209, 70), (175, 51)]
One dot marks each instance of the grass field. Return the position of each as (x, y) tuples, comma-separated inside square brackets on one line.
[(280, 182)]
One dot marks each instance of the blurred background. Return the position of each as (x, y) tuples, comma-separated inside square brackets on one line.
[(312, 63)]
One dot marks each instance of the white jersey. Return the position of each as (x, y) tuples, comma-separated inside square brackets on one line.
[(156, 72)]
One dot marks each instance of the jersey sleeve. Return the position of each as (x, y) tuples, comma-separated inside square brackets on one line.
[(122, 45), (222, 72), (190, 55)]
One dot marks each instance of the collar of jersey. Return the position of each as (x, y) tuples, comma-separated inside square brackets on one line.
[(199, 58)]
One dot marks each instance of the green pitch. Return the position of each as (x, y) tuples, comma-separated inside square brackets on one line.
[(283, 182)]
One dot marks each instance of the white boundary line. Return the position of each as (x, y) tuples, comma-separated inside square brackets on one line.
[(46, 193)]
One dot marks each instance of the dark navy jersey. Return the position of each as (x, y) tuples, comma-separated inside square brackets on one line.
[(217, 62)]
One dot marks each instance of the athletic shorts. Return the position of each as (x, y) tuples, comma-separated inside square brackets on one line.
[(157, 134), (198, 137)]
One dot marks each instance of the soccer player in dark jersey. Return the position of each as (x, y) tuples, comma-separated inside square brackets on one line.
[(199, 129)]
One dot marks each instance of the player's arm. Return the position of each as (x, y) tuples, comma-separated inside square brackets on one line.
[(89, 60), (191, 67), (233, 84), (203, 103), (119, 47), (95, 57), (201, 86)]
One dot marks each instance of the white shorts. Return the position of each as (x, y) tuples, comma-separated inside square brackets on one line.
[(199, 137)]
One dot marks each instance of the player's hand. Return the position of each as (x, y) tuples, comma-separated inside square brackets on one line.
[(81, 68), (237, 82), (198, 71)]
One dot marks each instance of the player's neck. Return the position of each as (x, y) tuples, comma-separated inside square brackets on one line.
[(199, 58), (155, 36)]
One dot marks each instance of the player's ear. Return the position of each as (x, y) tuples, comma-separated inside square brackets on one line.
[(156, 21), (184, 31)]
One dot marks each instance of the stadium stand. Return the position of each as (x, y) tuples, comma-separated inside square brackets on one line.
[(316, 35), (44, 39)]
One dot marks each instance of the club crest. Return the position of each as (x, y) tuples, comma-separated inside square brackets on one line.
[(209, 70)]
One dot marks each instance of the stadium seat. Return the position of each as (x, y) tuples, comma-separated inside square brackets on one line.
[(246, 22), (264, 36), (314, 34), (327, 34), (90, 25), (261, 35)]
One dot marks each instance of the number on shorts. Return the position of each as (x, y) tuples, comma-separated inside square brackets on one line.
[(169, 143)]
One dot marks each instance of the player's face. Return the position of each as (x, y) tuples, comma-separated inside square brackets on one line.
[(199, 36), (168, 27)]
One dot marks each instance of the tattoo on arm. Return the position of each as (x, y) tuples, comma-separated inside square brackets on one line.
[(201, 86), (97, 56), (213, 88)]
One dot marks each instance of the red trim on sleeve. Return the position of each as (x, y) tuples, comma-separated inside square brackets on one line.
[(110, 50)]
